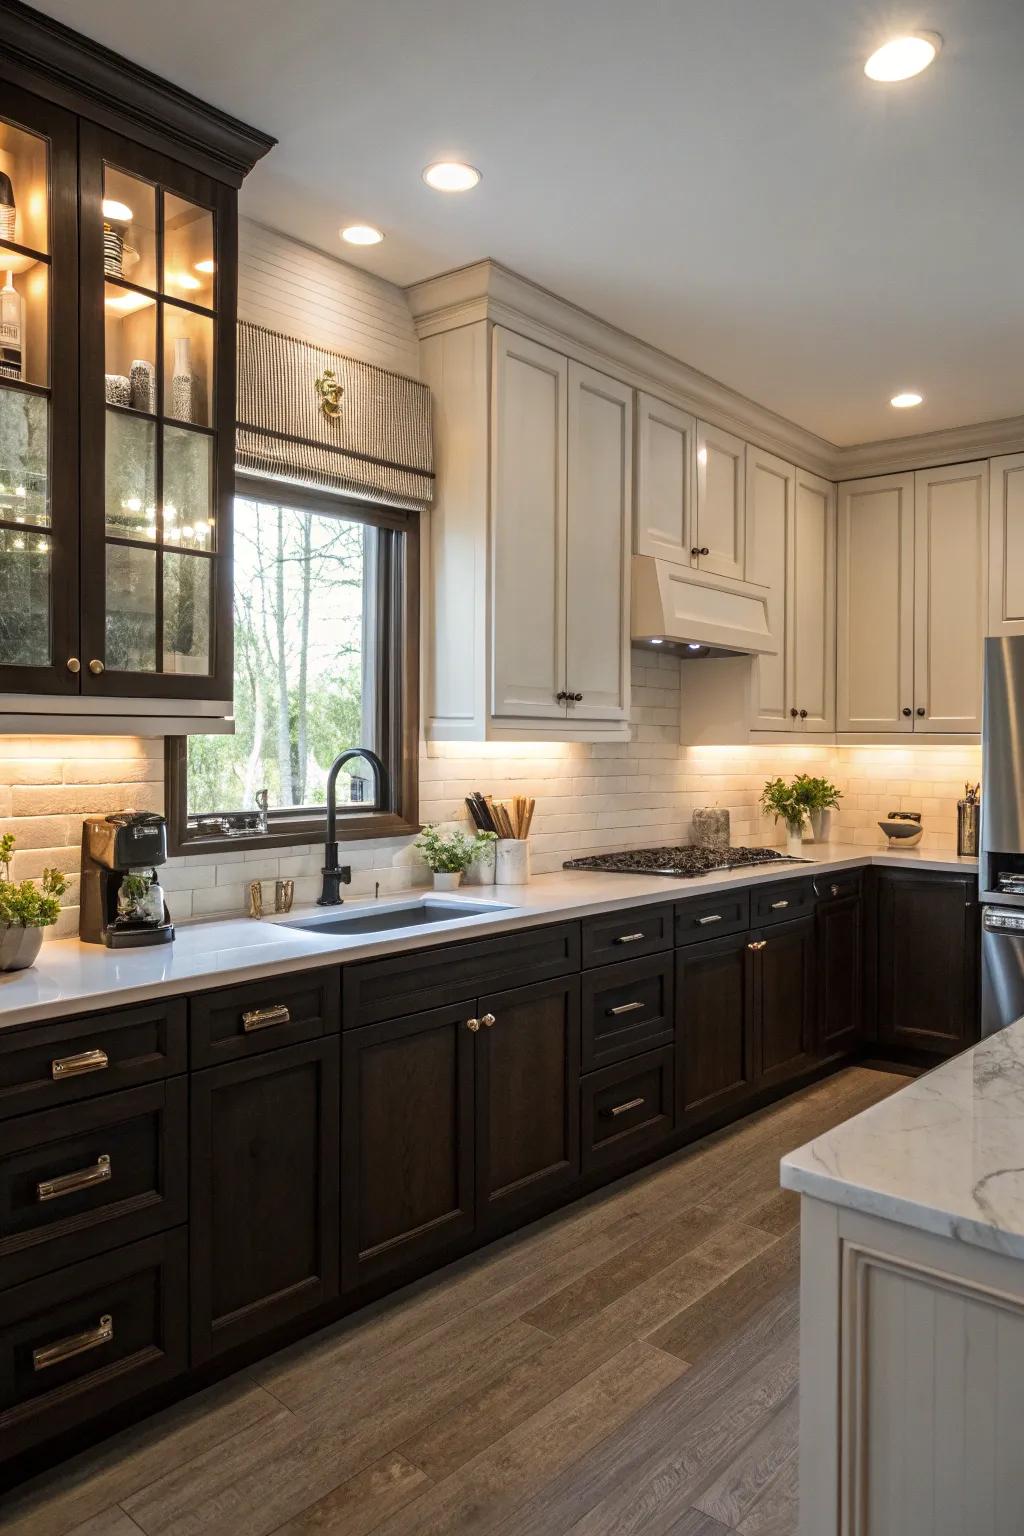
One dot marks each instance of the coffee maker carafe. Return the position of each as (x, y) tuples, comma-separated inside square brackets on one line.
[(122, 902)]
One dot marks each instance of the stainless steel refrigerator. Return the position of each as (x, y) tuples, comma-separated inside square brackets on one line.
[(1001, 871)]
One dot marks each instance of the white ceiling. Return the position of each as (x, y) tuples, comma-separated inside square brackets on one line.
[(715, 176)]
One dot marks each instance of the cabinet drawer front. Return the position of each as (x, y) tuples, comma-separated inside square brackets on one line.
[(781, 903), (627, 1107), (77, 1181), (837, 886), (262, 1015), (627, 1009), (52, 1064), (76, 1343), (626, 935), (712, 917), (435, 978)]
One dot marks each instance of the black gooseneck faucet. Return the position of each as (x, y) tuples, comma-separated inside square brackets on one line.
[(336, 875)]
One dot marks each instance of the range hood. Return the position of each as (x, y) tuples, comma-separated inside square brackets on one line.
[(699, 614)]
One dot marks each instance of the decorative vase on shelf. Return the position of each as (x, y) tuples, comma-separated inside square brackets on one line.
[(8, 211), (143, 386), (183, 381), (447, 880), (113, 250)]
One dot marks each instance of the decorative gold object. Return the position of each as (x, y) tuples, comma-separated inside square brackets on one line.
[(284, 895), (330, 392), (255, 898)]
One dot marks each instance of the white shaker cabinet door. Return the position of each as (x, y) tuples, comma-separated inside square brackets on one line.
[(769, 562), (811, 648), (597, 559), (666, 458), (721, 508), (1006, 545), (951, 513), (528, 522), (875, 605)]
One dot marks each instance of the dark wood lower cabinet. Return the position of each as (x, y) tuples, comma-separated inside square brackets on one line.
[(408, 1129), (527, 1095), (264, 1193), (926, 940), (784, 991), (840, 965), (714, 1026)]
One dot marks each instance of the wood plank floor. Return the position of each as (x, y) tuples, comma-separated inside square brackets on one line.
[(627, 1365)]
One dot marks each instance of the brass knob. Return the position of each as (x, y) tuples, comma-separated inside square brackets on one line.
[(487, 1020), (473, 1024), (74, 665), (95, 667)]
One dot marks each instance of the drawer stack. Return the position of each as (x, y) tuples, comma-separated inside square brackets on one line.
[(93, 1205)]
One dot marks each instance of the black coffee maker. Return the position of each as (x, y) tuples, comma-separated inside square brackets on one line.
[(122, 904)]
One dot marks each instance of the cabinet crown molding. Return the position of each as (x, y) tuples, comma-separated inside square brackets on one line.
[(487, 290), (55, 59)]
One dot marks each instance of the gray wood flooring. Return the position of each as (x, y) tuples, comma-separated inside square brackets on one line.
[(627, 1365)]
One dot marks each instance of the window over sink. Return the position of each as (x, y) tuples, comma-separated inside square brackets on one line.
[(325, 659)]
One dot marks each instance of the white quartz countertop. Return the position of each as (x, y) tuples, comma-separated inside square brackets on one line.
[(945, 1154), (72, 978)]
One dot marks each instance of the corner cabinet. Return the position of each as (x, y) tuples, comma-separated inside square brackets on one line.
[(530, 538), (118, 257)]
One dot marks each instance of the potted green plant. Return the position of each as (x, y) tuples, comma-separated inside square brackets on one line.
[(446, 854), (821, 798), (482, 868), (785, 802), (25, 910)]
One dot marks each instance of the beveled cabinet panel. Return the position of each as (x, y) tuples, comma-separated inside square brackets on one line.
[(769, 562), (1006, 545), (811, 622), (721, 502), (951, 515), (666, 461), (875, 605)]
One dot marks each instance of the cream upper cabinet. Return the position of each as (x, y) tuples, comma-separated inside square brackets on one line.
[(769, 532), (1006, 545), (600, 480), (720, 536), (666, 460), (951, 513), (875, 605), (529, 464)]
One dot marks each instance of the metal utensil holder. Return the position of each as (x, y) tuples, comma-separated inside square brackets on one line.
[(968, 827)]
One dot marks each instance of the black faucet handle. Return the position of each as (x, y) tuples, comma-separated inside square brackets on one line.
[(333, 878)]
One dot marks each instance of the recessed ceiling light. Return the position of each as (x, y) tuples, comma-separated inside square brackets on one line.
[(362, 234), (903, 57), (451, 176), (119, 212), (905, 399)]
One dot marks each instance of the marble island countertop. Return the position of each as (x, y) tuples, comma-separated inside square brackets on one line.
[(72, 978), (945, 1154)]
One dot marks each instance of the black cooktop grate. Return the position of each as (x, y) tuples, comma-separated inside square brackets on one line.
[(681, 862)]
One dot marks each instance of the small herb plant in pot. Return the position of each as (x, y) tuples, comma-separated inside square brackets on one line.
[(25, 910), (821, 798), (446, 854), (785, 802)]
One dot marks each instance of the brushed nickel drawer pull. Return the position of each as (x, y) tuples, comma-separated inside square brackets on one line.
[(74, 1066), (75, 1344), (621, 1109), (624, 1008), (713, 917), (758, 944), (262, 1018), (628, 938), (779, 906), (68, 1183), (835, 890)]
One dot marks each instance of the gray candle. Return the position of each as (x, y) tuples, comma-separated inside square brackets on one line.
[(711, 827)]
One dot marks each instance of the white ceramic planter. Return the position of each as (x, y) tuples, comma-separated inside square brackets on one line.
[(794, 842), (821, 825), (513, 861), (482, 869), (18, 947), (447, 880)]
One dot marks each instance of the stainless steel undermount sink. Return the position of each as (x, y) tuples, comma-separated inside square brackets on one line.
[(423, 912)]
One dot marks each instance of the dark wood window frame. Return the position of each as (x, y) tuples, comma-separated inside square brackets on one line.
[(396, 699)]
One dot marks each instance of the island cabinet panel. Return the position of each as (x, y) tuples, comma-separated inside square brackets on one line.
[(840, 967), (784, 980), (264, 1193), (714, 1026), (408, 1128), (927, 960), (527, 1095)]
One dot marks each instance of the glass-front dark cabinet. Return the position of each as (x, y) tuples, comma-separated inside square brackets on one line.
[(118, 270)]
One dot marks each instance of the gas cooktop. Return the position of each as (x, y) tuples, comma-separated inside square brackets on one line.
[(681, 863)]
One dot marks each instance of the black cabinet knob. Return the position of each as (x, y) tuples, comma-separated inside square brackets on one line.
[(907, 713), (694, 552), (803, 714), (794, 711), (705, 550), (577, 698), (921, 710), (561, 697)]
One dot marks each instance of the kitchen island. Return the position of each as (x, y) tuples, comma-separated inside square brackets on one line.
[(912, 1307)]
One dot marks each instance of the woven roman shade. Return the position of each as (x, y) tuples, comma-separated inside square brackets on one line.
[(378, 445)]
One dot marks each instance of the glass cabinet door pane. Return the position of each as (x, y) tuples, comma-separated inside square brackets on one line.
[(188, 489), (24, 458), (188, 251), (129, 228), (188, 366), (186, 614), (131, 501), (131, 609), (24, 598), (129, 326), (24, 181), (24, 318)]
